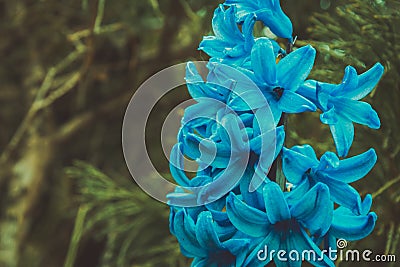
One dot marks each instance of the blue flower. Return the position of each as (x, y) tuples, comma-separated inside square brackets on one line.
[(300, 165), (284, 226), (350, 227), (231, 45), (279, 82), (267, 11), (226, 147), (209, 243), (340, 106)]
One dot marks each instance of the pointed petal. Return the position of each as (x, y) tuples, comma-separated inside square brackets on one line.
[(245, 218), (349, 82), (329, 117), (314, 210), (205, 232), (275, 203), (352, 227), (295, 165), (225, 26), (185, 233), (277, 21), (293, 69), (247, 29), (342, 193), (343, 135), (366, 82), (354, 168), (263, 61), (358, 111), (176, 165)]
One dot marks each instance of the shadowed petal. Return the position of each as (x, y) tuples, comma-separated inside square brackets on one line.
[(275, 203), (205, 232), (185, 233), (295, 165), (245, 218), (314, 210)]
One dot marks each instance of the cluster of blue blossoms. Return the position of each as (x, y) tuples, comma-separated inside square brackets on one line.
[(318, 206)]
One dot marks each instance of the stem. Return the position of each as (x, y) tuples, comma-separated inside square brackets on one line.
[(76, 236)]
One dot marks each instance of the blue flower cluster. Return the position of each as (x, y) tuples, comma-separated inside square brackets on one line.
[(236, 122)]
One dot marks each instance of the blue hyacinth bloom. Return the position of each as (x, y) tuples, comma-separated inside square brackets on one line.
[(284, 226), (209, 243), (267, 11), (300, 163), (280, 81), (350, 227), (229, 45), (340, 104)]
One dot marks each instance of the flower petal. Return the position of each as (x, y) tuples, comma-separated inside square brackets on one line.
[(275, 203), (263, 61), (314, 210), (352, 227), (291, 102), (225, 26), (293, 69), (343, 135), (185, 233), (358, 111), (354, 168), (295, 165), (349, 82), (176, 165), (205, 232), (245, 218), (341, 193), (366, 82)]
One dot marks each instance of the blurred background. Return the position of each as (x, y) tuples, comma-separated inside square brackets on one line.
[(68, 70)]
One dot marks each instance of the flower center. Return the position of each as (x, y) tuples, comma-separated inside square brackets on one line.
[(278, 92)]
